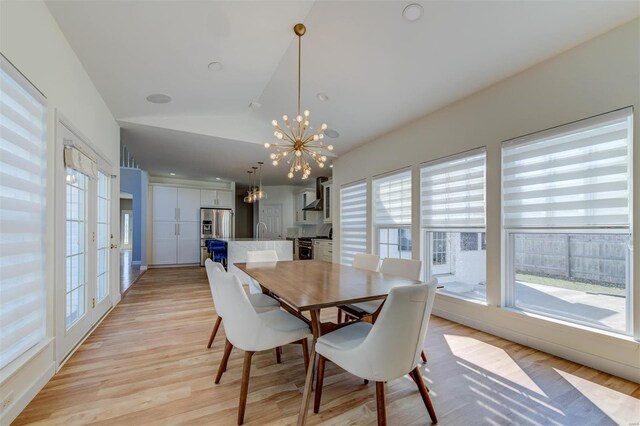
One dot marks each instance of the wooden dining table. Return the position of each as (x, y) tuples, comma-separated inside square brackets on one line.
[(307, 285)]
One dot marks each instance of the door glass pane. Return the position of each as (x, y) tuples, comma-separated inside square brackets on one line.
[(102, 238), (76, 252)]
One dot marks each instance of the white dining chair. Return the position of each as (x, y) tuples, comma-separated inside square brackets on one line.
[(257, 256), (252, 332), (405, 268), (260, 302), (386, 350), (369, 262)]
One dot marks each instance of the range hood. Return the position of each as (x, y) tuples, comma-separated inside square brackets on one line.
[(316, 205)]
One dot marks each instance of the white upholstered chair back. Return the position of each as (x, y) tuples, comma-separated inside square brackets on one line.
[(406, 268), (212, 267), (392, 347), (370, 262)]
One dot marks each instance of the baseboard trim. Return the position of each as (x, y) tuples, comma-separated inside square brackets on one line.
[(599, 363), (14, 410)]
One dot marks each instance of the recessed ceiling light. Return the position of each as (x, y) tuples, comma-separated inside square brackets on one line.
[(217, 178), (215, 66), (323, 97), (159, 98), (413, 12), (255, 105), (331, 133), (172, 174)]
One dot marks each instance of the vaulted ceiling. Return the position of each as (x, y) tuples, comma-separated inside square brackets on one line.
[(378, 70)]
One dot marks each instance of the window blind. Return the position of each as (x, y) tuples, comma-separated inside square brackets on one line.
[(452, 191), (353, 221), (576, 175), (23, 161), (392, 199)]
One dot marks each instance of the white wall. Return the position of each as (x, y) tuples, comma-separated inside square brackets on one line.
[(32, 41), (599, 76)]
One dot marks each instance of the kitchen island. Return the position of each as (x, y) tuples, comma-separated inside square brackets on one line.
[(237, 249)]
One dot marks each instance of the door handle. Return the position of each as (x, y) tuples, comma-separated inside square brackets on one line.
[(178, 229), (114, 246), (178, 217)]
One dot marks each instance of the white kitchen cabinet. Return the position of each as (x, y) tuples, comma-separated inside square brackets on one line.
[(188, 204), (326, 201), (302, 216), (188, 242), (176, 225), (165, 203), (164, 243), (323, 250), (216, 198)]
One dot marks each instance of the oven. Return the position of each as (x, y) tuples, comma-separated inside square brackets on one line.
[(305, 249)]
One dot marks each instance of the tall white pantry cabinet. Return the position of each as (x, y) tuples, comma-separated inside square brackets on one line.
[(176, 227)]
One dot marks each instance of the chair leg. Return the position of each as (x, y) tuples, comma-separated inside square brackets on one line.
[(319, 379), (244, 387), (278, 359), (216, 326), (424, 357), (416, 375), (305, 353), (225, 357), (339, 316), (381, 404)]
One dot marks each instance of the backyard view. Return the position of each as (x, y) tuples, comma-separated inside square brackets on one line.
[(579, 277)]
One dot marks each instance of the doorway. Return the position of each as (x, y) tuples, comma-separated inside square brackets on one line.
[(271, 215), (129, 272), (84, 283)]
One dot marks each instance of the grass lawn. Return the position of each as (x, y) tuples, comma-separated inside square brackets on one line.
[(570, 285)]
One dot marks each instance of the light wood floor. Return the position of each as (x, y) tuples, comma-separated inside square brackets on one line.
[(147, 363)]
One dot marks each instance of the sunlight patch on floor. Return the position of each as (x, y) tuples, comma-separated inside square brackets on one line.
[(491, 359), (621, 408)]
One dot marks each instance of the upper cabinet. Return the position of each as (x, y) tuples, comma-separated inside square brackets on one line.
[(188, 205), (165, 203), (326, 201), (216, 198), (303, 216)]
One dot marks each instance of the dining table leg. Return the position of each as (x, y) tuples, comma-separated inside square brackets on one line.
[(306, 394)]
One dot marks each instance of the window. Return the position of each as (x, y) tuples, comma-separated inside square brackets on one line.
[(392, 215), (353, 221), (76, 256), (452, 198), (566, 214), (468, 241), (103, 240), (23, 172)]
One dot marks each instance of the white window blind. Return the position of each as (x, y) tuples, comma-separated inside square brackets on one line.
[(23, 162), (392, 199), (452, 191), (576, 175), (353, 221)]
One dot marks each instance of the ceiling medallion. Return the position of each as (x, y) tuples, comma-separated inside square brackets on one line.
[(300, 143)]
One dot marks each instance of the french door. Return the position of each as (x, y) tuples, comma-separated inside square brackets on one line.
[(84, 279)]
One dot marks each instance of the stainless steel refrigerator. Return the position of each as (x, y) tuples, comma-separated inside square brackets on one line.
[(214, 223)]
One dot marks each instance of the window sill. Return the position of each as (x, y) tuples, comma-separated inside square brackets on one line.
[(459, 299), (17, 364), (582, 327)]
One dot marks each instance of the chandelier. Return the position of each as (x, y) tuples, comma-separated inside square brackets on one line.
[(300, 143), (255, 193)]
